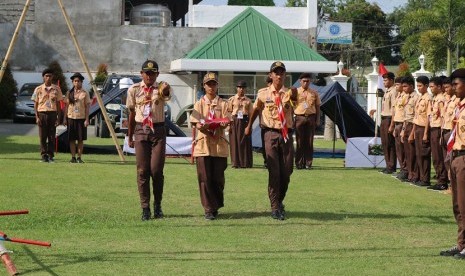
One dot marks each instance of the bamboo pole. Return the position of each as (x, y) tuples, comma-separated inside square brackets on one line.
[(84, 62), (13, 40)]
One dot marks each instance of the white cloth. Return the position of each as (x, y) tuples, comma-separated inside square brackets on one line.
[(174, 146), (357, 153)]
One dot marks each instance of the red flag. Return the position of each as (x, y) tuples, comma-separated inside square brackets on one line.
[(382, 70)]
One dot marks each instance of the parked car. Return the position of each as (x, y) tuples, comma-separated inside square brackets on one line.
[(24, 106)]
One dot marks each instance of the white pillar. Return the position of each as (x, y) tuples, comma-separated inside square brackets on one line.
[(421, 72), (190, 13), (372, 100), (312, 11)]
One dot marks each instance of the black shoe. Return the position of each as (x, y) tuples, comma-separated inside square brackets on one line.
[(460, 255), (158, 211), (450, 252), (51, 160), (73, 160), (215, 213), (299, 167), (44, 158), (438, 187), (146, 214), (275, 214), (388, 172), (79, 160), (308, 167), (281, 208), (422, 184), (210, 216)]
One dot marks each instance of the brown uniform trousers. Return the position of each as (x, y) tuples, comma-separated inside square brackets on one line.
[(240, 144), (304, 132), (389, 144), (457, 182), (47, 132), (445, 137), (210, 173), (150, 158), (410, 156), (280, 157), (423, 154), (438, 155), (400, 152)]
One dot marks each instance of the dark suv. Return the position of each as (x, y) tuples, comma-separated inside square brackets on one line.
[(24, 106)]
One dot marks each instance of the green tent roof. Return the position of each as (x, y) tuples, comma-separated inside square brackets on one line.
[(252, 36)]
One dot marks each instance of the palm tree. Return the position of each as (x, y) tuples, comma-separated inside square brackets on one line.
[(433, 30)]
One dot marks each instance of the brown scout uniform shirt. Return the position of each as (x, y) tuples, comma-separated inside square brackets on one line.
[(78, 109), (448, 112), (207, 144), (422, 110), (243, 104), (436, 112), (459, 143), (307, 101), (399, 106), (409, 110), (136, 99), (47, 99), (265, 102), (389, 101)]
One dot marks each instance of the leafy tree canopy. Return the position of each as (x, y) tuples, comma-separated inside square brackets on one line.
[(251, 3)]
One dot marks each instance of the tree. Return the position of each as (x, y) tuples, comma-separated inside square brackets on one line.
[(296, 3), (251, 3), (58, 77), (8, 90), (430, 25)]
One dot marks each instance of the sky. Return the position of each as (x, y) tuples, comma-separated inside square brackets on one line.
[(386, 5)]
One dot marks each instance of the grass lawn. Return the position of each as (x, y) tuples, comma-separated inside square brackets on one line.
[(340, 221)]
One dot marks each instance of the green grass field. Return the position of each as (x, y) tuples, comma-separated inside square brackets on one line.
[(340, 221)]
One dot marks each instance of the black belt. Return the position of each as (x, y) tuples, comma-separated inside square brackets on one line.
[(289, 130), (398, 123), (243, 116), (161, 124), (444, 130), (386, 117), (408, 123), (305, 115), (457, 153), (435, 127)]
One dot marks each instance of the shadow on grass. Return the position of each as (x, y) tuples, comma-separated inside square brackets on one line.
[(10, 147)]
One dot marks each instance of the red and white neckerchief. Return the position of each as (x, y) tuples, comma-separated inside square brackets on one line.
[(281, 116), (147, 112), (451, 141)]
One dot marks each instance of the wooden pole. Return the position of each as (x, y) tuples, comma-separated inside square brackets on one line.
[(13, 40), (84, 62)]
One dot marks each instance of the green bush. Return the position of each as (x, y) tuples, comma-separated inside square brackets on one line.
[(8, 89)]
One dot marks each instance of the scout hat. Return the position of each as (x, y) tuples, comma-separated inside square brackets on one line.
[(241, 83), (47, 71), (210, 76), (77, 75), (150, 65), (276, 65)]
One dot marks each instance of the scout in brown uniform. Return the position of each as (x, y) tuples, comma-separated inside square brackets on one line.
[(437, 106), (240, 107), (421, 132), (77, 117), (398, 117), (274, 104), (47, 107), (450, 104), (307, 118), (210, 117), (147, 133), (387, 139), (456, 148), (407, 134)]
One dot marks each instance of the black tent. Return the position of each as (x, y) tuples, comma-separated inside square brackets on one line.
[(342, 109)]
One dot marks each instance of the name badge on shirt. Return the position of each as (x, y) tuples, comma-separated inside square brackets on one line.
[(305, 105), (76, 109), (146, 111), (48, 104), (240, 115)]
